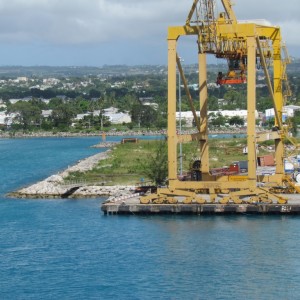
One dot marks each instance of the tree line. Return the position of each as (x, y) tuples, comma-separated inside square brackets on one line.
[(66, 104)]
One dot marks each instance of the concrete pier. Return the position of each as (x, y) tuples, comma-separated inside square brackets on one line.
[(131, 206)]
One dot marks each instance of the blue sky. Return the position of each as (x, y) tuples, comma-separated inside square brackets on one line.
[(131, 32)]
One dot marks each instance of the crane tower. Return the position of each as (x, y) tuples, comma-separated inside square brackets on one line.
[(243, 45)]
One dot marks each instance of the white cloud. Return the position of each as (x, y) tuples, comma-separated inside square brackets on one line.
[(280, 13), (93, 21), (81, 21)]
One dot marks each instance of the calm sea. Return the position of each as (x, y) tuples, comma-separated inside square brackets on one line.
[(67, 249)]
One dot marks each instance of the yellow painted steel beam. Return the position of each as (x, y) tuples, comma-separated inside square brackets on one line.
[(267, 136), (277, 68), (237, 178), (266, 72), (178, 192), (197, 185), (203, 97), (187, 92), (227, 31), (175, 32), (273, 179), (190, 15), (229, 11), (251, 107), (172, 136)]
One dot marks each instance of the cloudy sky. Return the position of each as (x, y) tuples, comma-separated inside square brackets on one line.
[(98, 32)]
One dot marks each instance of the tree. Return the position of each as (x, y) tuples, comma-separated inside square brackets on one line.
[(62, 115), (236, 99), (295, 121), (27, 114), (156, 167), (38, 103), (81, 105), (236, 120), (213, 103), (217, 119), (55, 102), (93, 93), (145, 116), (264, 103)]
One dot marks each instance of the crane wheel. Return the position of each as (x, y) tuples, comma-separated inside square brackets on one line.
[(171, 200), (144, 200), (236, 200), (187, 200)]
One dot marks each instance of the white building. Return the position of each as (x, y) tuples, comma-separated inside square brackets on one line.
[(287, 112), (51, 81), (2, 118), (6, 119), (46, 113), (188, 116), (22, 79), (119, 118), (213, 85), (153, 105), (234, 113), (110, 110), (14, 101), (112, 113), (81, 116)]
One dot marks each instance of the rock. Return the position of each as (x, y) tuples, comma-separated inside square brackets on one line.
[(53, 187), (55, 179)]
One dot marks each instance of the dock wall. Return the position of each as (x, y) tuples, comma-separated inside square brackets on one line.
[(200, 209)]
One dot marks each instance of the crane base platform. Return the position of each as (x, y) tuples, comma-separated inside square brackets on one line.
[(133, 207)]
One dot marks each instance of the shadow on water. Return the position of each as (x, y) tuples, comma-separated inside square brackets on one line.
[(70, 192)]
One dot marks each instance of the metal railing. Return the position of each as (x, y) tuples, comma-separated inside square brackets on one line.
[(82, 182)]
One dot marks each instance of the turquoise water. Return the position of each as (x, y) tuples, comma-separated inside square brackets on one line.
[(67, 249)]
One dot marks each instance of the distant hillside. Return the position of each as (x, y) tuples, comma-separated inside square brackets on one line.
[(106, 70), (46, 71)]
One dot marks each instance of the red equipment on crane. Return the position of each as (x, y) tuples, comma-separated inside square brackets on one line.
[(236, 73)]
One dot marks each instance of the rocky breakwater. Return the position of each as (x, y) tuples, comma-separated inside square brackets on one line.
[(56, 187), (105, 145), (113, 192)]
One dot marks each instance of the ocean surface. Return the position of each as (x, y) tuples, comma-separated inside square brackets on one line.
[(67, 249)]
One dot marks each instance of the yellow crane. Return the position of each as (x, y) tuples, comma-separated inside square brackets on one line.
[(244, 45)]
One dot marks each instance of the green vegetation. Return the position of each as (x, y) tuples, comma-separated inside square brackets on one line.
[(155, 167), (141, 91), (130, 163), (221, 152)]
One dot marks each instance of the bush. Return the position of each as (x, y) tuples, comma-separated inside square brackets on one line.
[(156, 167)]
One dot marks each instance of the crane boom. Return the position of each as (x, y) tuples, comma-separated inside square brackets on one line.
[(190, 15), (229, 11)]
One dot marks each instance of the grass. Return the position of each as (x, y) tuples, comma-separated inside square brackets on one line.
[(125, 163)]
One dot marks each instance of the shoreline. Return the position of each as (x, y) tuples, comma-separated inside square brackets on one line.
[(55, 187), (43, 134), (46, 134)]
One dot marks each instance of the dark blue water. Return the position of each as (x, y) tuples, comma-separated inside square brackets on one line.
[(67, 249)]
